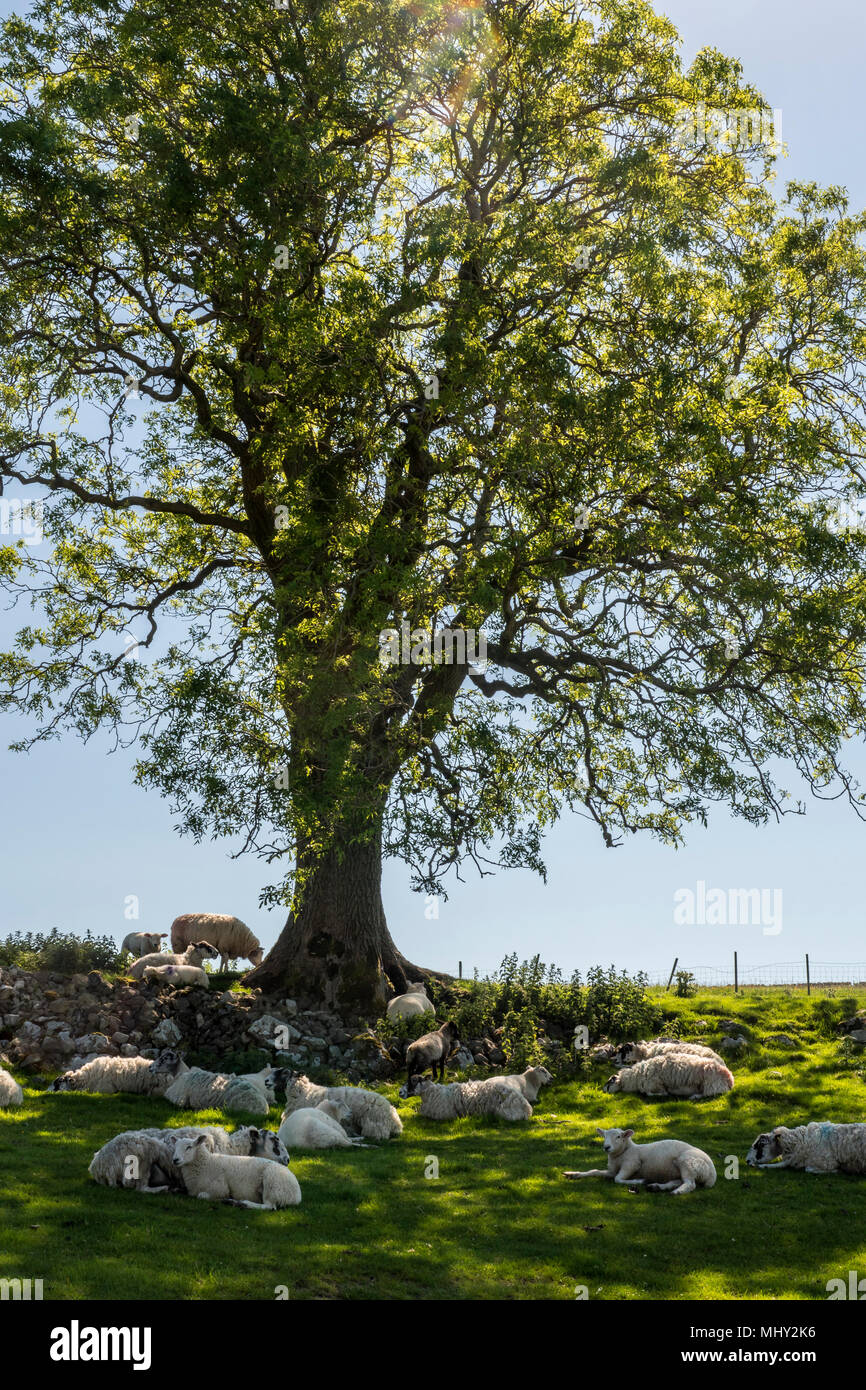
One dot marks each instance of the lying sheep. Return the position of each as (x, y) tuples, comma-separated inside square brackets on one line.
[(819, 1147), (193, 955), (249, 1182), (452, 1102), (144, 1158), (230, 935), (178, 976), (132, 1075), (196, 1089), (674, 1074), (528, 1083), (668, 1165), (318, 1127), (372, 1114), (410, 1004), (142, 943), (432, 1050), (10, 1092), (631, 1052)]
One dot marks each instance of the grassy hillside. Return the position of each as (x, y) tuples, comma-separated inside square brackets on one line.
[(499, 1222)]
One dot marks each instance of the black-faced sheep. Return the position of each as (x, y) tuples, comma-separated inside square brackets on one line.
[(674, 1074), (630, 1052), (819, 1147), (133, 1075)]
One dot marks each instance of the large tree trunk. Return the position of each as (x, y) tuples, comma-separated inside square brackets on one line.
[(336, 947)]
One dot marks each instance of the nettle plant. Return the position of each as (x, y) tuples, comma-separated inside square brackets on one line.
[(321, 319)]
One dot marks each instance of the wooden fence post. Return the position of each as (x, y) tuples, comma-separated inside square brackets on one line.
[(808, 979), (736, 977), (673, 968), (460, 970)]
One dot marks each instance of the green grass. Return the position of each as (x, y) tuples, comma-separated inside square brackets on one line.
[(499, 1222)]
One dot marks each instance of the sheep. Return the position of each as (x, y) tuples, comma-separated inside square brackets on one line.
[(410, 1004), (528, 1083), (133, 1075), (10, 1092), (230, 935), (372, 1114), (193, 955), (630, 1052), (674, 1074), (668, 1165), (432, 1050), (248, 1182), (195, 1089), (177, 975), (154, 1168), (452, 1102), (819, 1147), (142, 943), (318, 1127)]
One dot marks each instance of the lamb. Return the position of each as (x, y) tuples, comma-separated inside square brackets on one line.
[(819, 1147), (631, 1052), (410, 1004), (674, 1074), (195, 1089), (193, 955), (372, 1114), (10, 1092), (668, 1165), (249, 1182), (318, 1127), (133, 1075), (489, 1097), (177, 975), (432, 1050), (230, 935), (528, 1083), (142, 943), (144, 1158)]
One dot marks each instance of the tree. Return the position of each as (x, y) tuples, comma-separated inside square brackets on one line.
[(329, 321)]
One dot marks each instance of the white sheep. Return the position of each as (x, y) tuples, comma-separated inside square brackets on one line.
[(668, 1165), (410, 1004), (528, 1082), (490, 1097), (144, 1158), (142, 943), (178, 976), (674, 1074), (193, 955), (10, 1092), (630, 1052), (250, 1182), (372, 1114), (318, 1127), (819, 1147), (133, 1075), (196, 1089), (230, 935)]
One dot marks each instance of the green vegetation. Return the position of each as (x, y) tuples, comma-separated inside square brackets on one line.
[(62, 952), (499, 1222)]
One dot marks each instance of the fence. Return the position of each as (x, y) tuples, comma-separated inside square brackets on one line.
[(805, 972)]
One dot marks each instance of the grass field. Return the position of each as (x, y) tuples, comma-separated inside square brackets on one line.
[(499, 1222)]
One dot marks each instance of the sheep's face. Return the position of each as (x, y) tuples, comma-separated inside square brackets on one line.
[(279, 1079), (186, 1150), (612, 1085), (62, 1083), (449, 1030), (627, 1054), (256, 956), (765, 1149), (168, 1061), (416, 1087), (205, 950), (265, 1144), (541, 1076), (615, 1141)]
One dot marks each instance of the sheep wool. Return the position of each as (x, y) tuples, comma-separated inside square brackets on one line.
[(10, 1092), (205, 1090), (632, 1052), (490, 1097), (231, 937), (818, 1147), (372, 1114), (410, 1004), (250, 1182), (668, 1165), (674, 1074), (140, 943), (528, 1083), (177, 975), (193, 955), (133, 1075), (144, 1158), (318, 1127)]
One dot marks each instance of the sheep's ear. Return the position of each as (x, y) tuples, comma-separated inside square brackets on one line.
[(202, 1138), (599, 1131), (627, 1133)]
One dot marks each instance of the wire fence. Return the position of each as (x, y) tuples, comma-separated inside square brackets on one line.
[(808, 973)]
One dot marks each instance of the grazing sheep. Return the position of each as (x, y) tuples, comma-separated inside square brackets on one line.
[(230, 935), (410, 1004), (132, 1075), (370, 1113), (631, 1052), (318, 1127), (195, 1089), (669, 1165), (674, 1074), (154, 1168), (10, 1092), (177, 975), (528, 1083), (452, 1102), (142, 943), (819, 1147), (249, 1182), (432, 1050), (193, 955)]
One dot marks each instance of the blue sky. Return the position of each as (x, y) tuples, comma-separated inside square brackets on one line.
[(79, 840)]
